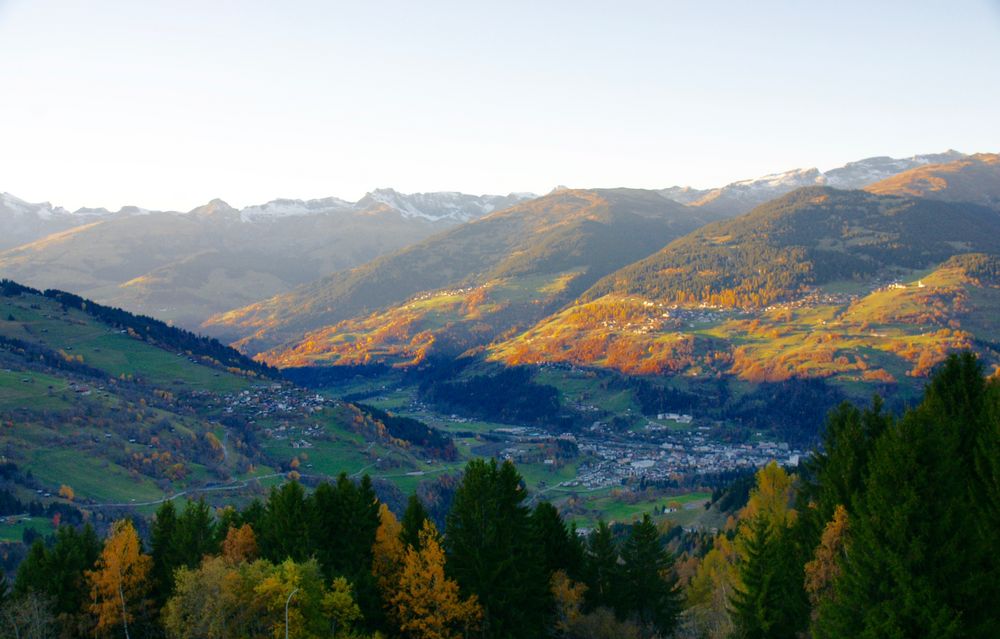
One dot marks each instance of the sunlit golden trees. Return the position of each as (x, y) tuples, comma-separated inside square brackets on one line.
[(240, 545), (427, 604), (120, 582), (388, 555), (824, 569)]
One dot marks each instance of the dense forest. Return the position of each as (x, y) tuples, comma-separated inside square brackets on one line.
[(810, 236), (887, 530)]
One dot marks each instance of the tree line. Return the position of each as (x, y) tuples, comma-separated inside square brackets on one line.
[(347, 567), (888, 530)]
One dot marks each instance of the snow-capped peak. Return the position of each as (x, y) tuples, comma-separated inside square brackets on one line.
[(442, 205), (19, 207), (283, 207), (787, 179)]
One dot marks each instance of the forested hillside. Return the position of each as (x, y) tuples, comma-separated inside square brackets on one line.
[(886, 530), (576, 235), (809, 237)]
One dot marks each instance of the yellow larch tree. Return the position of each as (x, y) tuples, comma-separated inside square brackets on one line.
[(240, 545), (388, 551), (388, 554), (824, 569), (426, 603), (120, 581)]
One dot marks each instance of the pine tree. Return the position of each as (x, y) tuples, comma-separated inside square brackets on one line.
[(163, 546), (72, 554), (762, 601), (194, 534), (413, 521), (602, 573), (650, 591), (837, 471), (773, 545), (33, 574), (490, 554), (284, 534), (559, 547), (913, 568)]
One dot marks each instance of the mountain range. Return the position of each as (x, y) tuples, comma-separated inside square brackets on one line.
[(183, 267), (394, 278), (540, 282)]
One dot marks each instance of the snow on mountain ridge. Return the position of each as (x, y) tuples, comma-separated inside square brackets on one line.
[(19, 207), (441, 205)]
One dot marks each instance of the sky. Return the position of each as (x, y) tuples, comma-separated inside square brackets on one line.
[(169, 104)]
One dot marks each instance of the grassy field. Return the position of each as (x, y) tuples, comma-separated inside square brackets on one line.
[(78, 335), (92, 477), (603, 504), (37, 390), (12, 528)]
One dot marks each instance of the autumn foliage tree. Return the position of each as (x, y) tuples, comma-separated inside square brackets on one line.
[(426, 603), (120, 582)]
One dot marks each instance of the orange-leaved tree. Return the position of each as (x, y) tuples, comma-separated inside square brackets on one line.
[(120, 582), (427, 604), (240, 545), (388, 553)]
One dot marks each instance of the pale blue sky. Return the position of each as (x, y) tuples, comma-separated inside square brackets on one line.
[(169, 104)]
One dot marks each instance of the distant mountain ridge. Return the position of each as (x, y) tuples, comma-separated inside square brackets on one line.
[(183, 267), (974, 178), (740, 197), (576, 234)]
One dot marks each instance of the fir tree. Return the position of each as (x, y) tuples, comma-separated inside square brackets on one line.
[(650, 592), (413, 521), (163, 545), (284, 528), (194, 534), (559, 547), (913, 568), (490, 554), (602, 573)]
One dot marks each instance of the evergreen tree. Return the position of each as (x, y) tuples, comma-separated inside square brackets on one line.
[(650, 593), (284, 534), (602, 573), (912, 568), (754, 603), (226, 518), (413, 521), (559, 547), (33, 574), (163, 545), (837, 471), (773, 545), (342, 521), (73, 553), (194, 535), (490, 554)]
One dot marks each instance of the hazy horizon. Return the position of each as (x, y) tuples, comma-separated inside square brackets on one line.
[(169, 106)]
